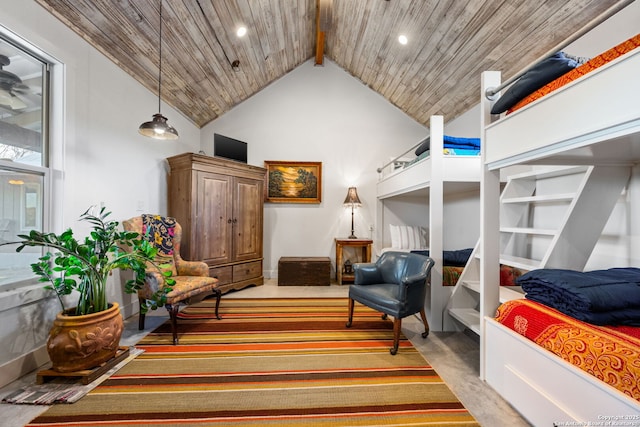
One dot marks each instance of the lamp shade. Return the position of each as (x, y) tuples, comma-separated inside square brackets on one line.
[(352, 197), (158, 128)]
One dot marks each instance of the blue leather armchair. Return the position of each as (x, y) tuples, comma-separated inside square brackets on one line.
[(395, 285)]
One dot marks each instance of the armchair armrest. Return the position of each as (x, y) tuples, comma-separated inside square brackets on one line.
[(191, 268), (412, 286), (416, 278), (366, 273)]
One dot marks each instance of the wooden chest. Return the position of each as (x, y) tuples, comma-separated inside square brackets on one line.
[(304, 271)]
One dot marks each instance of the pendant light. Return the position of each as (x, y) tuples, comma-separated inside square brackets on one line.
[(158, 128)]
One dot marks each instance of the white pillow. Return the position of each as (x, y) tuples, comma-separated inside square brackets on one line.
[(407, 237), (420, 234), (413, 237), (404, 237), (395, 236)]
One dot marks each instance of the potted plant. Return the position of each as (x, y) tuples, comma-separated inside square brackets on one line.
[(75, 342)]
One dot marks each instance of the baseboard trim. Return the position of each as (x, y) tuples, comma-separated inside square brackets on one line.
[(23, 365)]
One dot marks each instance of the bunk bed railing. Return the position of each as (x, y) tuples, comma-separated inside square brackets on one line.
[(396, 159), (491, 92)]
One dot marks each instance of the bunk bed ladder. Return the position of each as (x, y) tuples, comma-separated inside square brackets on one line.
[(463, 307), (553, 216), (550, 217)]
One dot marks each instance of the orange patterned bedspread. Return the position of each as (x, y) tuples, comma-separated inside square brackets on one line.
[(610, 353), (587, 67)]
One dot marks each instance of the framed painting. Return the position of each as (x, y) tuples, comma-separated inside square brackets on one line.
[(293, 182)]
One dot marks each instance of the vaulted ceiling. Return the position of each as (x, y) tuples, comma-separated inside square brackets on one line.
[(450, 42)]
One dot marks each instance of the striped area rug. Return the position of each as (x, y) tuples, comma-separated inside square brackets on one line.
[(270, 362)]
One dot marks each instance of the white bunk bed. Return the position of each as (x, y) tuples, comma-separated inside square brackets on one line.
[(431, 177), (595, 120)]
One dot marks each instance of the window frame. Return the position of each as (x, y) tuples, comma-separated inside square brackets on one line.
[(52, 70)]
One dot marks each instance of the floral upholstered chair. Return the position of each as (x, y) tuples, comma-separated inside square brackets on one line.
[(191, 277)]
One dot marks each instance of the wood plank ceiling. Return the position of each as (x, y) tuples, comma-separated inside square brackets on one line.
[(450, 42)]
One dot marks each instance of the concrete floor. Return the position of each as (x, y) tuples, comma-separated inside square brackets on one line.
[(454, 355)]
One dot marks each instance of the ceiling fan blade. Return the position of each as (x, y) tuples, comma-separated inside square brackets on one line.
[(8, 100), (28, 98)]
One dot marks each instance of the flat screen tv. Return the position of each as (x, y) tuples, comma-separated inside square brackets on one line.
[(229, 148)]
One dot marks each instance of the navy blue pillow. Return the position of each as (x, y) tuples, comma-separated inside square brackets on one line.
[(423, 147), (543, 73), (456, 258)]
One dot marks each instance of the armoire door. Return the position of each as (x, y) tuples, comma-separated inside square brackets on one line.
[(248, 202), (214, 218)]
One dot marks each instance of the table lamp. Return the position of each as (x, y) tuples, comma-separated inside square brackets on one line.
[(353, 200)]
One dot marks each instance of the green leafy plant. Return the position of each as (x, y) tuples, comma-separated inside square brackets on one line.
[(85, 266)]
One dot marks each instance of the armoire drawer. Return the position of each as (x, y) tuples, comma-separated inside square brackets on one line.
[(223, 274), (247, 270)]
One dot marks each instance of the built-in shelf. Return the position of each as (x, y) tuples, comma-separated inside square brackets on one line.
[(564, 197), (519, 262), (508, 293), (474, 285), (529, 230), (548, 172), (468, 317)]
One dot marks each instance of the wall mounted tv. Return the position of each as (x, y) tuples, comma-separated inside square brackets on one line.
[(229, 148)]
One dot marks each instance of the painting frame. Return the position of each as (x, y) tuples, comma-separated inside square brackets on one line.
[(285, 184)]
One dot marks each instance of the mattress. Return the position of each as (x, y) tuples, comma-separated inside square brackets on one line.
[(508, 275), (576, 73), (609, 353)]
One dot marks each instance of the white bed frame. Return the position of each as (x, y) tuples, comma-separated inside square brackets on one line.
[(593, 120), (438, 174)]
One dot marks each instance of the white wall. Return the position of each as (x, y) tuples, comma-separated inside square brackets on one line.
[(466, 125), (318, 113), (460, 210), (616, 29), (411, 209), (462, 220), (313, 114), (98, 157)]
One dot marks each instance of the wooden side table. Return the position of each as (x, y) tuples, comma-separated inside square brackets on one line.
[(362, 250)]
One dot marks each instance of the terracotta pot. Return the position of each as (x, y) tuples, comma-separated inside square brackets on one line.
[(79, 343)]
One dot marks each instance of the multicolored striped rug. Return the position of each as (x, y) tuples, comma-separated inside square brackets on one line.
[(270, 362)]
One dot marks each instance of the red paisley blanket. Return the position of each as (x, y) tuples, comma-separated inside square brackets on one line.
[(610, 353)]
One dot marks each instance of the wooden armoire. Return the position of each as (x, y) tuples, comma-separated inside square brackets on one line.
[(219, 204)]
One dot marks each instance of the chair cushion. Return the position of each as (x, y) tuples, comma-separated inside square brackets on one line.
[(381, 297), (188, 286)]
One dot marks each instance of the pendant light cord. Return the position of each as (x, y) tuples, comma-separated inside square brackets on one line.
[(160, 61), (158, 128)]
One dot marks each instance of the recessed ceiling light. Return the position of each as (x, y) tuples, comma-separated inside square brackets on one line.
[(241, 31), (402, 39)]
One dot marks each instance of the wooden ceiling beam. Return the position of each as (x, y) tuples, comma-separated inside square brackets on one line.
[(319, 36)]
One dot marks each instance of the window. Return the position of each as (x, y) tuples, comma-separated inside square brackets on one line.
[(24, 165)]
